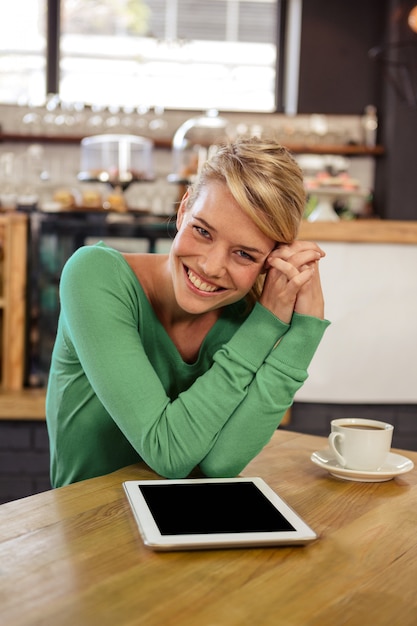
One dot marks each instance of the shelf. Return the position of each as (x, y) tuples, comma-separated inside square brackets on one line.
[(348, 150), (65, 139), (297, 148)]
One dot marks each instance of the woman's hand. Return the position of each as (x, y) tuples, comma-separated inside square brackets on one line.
[(293, 281)]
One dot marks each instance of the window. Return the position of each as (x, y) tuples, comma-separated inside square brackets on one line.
[(179, 54), (23, 51), (172, 53)]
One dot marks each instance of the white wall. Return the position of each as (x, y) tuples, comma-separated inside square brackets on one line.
[(369, 353)]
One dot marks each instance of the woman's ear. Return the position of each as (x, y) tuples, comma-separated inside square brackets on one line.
[(182, 209)]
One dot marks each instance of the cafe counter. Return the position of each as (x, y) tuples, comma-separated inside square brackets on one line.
[(369, 284), (368, 353)]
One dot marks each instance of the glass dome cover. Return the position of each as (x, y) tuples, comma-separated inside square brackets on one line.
[(116, 159), (194, 142)]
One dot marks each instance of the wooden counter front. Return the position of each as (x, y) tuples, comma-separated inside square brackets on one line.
[(13, 255)]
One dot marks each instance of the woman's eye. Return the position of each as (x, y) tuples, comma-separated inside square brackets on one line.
[(201, 231), (244, 255)]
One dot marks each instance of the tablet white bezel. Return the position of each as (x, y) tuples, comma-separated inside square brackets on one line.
[(153, 538)]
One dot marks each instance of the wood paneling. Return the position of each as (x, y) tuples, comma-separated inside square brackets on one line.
[(13, 242)]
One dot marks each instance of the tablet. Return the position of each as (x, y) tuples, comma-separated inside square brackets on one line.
[(195, 514)]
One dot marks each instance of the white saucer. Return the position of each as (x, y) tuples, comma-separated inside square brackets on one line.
[(394, 465)]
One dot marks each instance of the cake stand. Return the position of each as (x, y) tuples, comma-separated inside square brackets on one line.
[(324, 211)]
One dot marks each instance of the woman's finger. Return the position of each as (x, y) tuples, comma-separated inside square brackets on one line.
[(297, 260), (285, 251)]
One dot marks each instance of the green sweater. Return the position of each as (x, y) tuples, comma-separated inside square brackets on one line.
[(119, 391)]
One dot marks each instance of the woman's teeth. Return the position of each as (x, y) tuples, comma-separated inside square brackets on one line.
[(201, 285)]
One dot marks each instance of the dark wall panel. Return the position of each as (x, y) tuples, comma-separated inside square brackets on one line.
[(336, 74), (396, 173)]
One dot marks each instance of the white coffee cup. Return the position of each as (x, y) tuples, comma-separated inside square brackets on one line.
[(360, 444)]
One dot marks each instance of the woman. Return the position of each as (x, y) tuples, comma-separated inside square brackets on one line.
[(189, 359)]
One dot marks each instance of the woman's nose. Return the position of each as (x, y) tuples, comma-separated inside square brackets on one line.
[(213, 264)]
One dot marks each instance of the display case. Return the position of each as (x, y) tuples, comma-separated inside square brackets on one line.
[(54, 237)]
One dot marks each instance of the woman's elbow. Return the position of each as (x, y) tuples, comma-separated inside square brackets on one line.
[(221, 469)]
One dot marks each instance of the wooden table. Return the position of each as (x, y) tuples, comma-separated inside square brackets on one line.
[(73, 556)]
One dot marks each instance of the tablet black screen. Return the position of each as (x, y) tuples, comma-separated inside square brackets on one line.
[(201, 508)]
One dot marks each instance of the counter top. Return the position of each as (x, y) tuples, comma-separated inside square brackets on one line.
[(23, 404), (361, 231)]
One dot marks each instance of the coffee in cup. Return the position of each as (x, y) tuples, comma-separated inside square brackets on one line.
[(360, 444)]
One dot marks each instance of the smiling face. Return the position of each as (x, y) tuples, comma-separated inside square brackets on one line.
[(218, 252)]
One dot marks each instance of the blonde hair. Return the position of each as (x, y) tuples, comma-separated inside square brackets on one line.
[(266, 182)]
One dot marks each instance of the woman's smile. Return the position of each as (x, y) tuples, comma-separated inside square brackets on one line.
[(201, 284)]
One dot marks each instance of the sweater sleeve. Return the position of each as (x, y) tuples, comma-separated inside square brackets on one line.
[(101, 329), (269, 395)]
